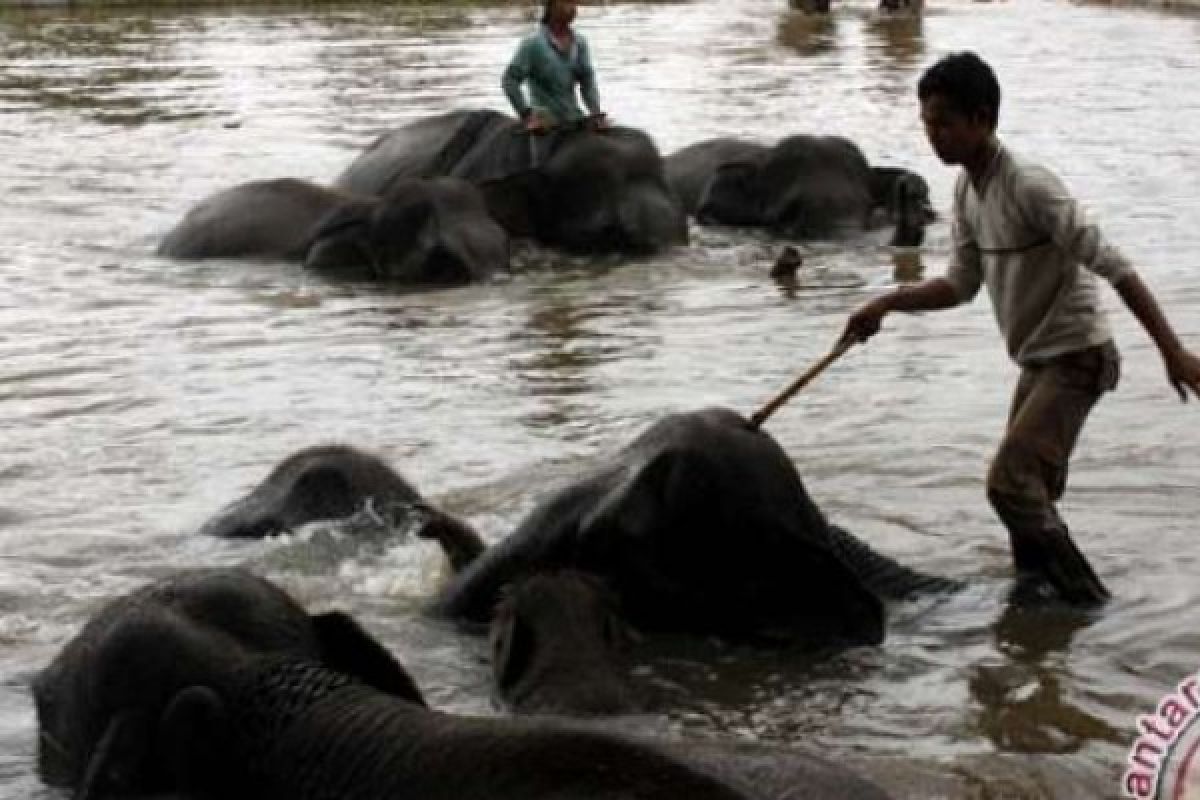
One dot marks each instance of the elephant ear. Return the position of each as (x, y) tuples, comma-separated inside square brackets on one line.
[(622, 535), (341, 239), (119, 754), (194, 734), (512, 650), (732, 195), (516, 201), (347, 648)]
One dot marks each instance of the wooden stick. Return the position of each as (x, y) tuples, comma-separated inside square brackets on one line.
[(760, 416)]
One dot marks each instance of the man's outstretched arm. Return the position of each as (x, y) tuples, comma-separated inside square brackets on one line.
[(930, 295), (1183, 368)]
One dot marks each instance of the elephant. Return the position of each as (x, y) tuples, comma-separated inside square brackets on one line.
[(801, 187), (287, 729), (328, 482), (557, 640), (429, 231), (575, 188), (101, 703), (700, 525)]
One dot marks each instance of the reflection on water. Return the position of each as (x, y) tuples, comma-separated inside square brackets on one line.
[(897, 41), (137, 395), (553, 356), (115, 71), (809, 34), (1025, 705), (907, 266)]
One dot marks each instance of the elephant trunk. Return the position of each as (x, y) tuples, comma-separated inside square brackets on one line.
[(298, 732), (886, 577)]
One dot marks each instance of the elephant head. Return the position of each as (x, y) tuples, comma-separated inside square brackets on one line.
[(322, 482), (904, 197), (102, 702), (556, 640), (594, 192), (436, 231), (332, 482)]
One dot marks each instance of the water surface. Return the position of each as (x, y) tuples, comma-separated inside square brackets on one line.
[(137, 395)]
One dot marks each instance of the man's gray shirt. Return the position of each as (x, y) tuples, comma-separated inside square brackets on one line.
[(1024, 236)]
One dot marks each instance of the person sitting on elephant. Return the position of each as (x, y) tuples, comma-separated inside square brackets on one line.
[(552, 61)]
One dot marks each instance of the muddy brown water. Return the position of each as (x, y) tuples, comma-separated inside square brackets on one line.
[(138, 395)]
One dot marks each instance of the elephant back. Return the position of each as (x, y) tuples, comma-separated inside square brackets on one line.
[(629, 152), (268, 219), (500, 149), (425, 148), (689, 170), (812, 185)]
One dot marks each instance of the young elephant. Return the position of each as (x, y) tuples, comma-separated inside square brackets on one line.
[(557, 639), (802, 187), (291, 730), (435, 231), (332, 482), (101, 703)]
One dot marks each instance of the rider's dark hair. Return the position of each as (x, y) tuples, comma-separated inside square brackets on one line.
[(547, 7), (966, 83)]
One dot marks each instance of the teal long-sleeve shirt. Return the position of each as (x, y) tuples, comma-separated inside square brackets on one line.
[(551, 75)]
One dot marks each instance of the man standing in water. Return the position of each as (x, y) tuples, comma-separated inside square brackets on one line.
[(1017, 230), (553, 60)]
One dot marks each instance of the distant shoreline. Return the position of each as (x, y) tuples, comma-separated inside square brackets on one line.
[(154, 5), (1171, 5), (150, 5)]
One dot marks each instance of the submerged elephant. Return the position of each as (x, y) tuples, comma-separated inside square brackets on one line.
[(577, 189), (700, 525), (802, 187), (290, 730), (434, 231), (558, 643), (329, 482), (103, 702)]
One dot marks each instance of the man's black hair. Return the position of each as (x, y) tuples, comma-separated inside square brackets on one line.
[(546, 8), (967, 84)]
